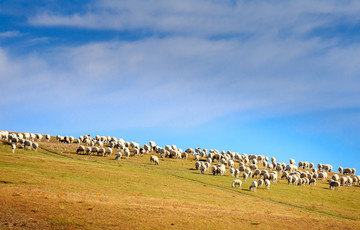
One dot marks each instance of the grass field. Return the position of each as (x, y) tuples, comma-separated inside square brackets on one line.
[(57, 189)]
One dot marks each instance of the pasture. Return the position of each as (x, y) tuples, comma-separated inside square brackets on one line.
[(54, 188)]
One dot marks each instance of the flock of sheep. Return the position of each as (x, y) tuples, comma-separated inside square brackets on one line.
[(249, 166)]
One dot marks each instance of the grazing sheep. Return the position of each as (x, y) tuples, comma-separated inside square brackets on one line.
[(311, 165), (154, 159), (253, 186), (327, 167), (260, 182), (94, 150), (230, 163), (334, 184), (353, 171), (267, 183), (118, 156), (108, 151), (27, 144), (236, 173), (253, 166), (347, 171), (312, 181), (88, 150), (203, 168), (256, 173), (231, 171), (340, 170), (80, 149), (319, 166), (322, 175), (197, 157), (292, 161), (273, 160), (197, 165), (13, 147), (127, 152), (245, 176), (335, 177), (236, 182), (35, 146)]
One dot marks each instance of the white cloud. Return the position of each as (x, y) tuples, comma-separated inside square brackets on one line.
[(209, 18), (10, 34)]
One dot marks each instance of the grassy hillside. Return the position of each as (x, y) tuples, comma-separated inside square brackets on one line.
[(55, 188)]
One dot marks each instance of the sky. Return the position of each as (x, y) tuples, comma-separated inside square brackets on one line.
[(278, 78)]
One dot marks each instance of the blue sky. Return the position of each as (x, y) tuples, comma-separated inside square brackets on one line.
[(264, 77)]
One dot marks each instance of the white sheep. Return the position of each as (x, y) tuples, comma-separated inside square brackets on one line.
[(245, 176), (253, 186), (236, 182), (260, 182), (267, 183), (334, 184), (80, 149), (27, 144), (118, 156), (13, 147), (154, 159), (108, 151), (88, 150), (35, 146), (203, 168), (126, 152)]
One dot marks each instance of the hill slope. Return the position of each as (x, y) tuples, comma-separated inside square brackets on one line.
[(55, 188)]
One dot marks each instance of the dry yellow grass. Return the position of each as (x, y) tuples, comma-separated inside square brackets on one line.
[(44, 190)]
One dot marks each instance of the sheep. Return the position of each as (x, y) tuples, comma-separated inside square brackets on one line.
[(154, 159), (203, 168), (94, 149), (267, 183), (35, 146), (273, 160), (127, 152), (39, 136), (118, 156), (335, 177), (253, 186), (230, 163), (334, 184), (256, 173), (245, 176), (108, 151), (27, 144), (88, 150), (260, 182), (340, 169), (236, 173), (311, 165), (253, 166), (184, 155), (197, 157), (347, 171), (343, 180), (292, 161), (273, 176), (327, 167), (236, 182), (152, 145), (197, 165), (353, 171), (13, 147), (80, 149), (319, 166), (220, 170), (312, 181), (322, 175), (231, 170)]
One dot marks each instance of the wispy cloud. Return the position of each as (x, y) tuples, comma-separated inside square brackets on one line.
[(10, 34)]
